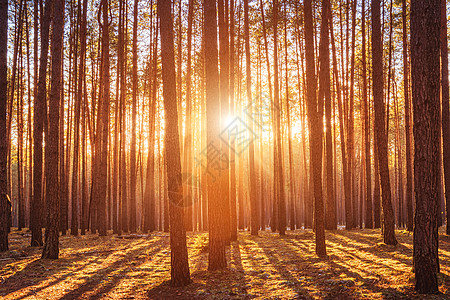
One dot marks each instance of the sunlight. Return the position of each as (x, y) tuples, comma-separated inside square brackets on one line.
[(296, 128), (228, 121)]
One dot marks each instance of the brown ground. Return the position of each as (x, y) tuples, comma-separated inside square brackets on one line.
[(359, 266)]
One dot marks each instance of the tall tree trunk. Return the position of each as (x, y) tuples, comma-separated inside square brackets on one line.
[(278, 166), (224, 110), (217, 237), (425, 29), (445, 108), (368, 170), (133, 173), (233, 224), (179, 256), (315, 116), (254, 215), (149, 194), (78, 102), (19, 121), (187, 153), (40, 114), (381, 134), (5, 205), (347, 185), (325, 95), (51, 245), (407, 100), (102, 130)]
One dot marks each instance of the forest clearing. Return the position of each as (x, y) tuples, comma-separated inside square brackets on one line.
[(359, 266)]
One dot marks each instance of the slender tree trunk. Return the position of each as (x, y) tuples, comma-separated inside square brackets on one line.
[(78, 102), (254, 216), (368, 170), (346, 175), (315, 116), (278, 166), (233, 225), (188, 174), (149, 195), (381, 134), (224, 110), (40, 114), (51, 245), (19, 121), (325, 95), (407, 100), (133, 172), (217, 238), (179, 255), (5, 205), (102, 131)]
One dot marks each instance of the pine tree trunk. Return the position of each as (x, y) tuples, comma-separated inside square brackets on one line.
[(233, 206), (445, 109), (224, 111), (325, 93), (149, 194), (102, 131), (217, 238), (278, 166), (315, 116), (425, 30), (368, 170), (78, 102), (254, 215), (381, 135), (179, 255), (188, 174), (133, 173), (40, 114), (51, 245), (5, 208), (347, 186)]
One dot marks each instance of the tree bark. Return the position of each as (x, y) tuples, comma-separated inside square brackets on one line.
[(5, 209), (368, 170), (325, 95), (254, 216), (51, 245), (217, 237), (315, 116), (40, 114), (224, 111), (280, 200), (445, 109), (133, 173), (381, 135), (179, 256), (425, 30)]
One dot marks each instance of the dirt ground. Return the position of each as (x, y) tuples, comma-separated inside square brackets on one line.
[(359, 266)]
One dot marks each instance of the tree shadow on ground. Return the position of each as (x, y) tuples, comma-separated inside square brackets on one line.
[(41, 274), (103, 281), (229, 283)]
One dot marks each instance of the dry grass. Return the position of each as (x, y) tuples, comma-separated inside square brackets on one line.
[(135, 267)]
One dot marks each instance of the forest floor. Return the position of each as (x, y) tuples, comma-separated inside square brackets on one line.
[(358, 266)]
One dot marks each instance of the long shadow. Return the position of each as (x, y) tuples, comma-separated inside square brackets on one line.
[(333, 278), (121, 264), (292, 281), (381, 251), (35, 272), (229, 283), (41, 270)]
